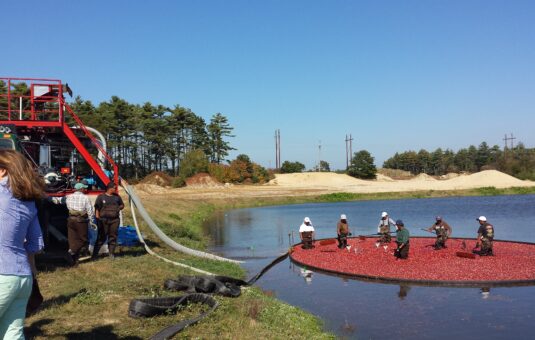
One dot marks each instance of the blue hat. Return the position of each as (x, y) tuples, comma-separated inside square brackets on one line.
[(399, 222), (80, 186)]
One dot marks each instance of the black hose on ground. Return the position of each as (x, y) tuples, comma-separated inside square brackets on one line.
[(158, 306), (198, 287)]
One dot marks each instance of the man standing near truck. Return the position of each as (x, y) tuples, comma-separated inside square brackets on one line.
[(107, 209), (80, 214)]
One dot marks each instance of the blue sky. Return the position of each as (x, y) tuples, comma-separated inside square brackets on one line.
[(397, 75)]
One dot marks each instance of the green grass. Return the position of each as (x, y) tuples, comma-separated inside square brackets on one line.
[(91, 301), (485, 191)]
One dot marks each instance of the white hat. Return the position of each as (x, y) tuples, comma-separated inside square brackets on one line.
[(343, 217), (482, 219), (307, 219), (384, 214)]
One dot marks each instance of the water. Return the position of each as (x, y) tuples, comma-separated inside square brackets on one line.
[(356, 309)]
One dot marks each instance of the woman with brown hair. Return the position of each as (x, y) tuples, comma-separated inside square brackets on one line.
[(20, 238)]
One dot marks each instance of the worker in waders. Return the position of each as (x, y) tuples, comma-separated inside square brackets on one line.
[(306, 232), (342, 229), (107, 210), (402, 240), (442, 230), (383, 229), (80, 214), (485, 237)]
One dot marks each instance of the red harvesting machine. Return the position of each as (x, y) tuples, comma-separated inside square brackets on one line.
[(36, 120)]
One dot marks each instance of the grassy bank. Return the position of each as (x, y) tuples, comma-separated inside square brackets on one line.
[(485, 191), (91, 301)]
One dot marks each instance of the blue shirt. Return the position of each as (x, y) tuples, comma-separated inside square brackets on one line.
[(20, 232)]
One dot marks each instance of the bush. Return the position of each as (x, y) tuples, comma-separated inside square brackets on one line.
[(240, 170), (362, 165), (193, 162), (291, 167)]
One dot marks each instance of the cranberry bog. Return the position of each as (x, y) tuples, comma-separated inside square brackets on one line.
[(513, 263)]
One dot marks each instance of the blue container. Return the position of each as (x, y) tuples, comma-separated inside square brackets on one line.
[(127, 236)]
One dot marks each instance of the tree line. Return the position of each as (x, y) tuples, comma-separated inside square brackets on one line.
[(518, 161), (146, 138)]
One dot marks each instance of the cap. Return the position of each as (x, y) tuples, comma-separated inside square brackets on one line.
[(79, 186), (307, 219), (343, 217), (111, 185), (438, 218), (399, 222), (384, 214), (482, 219)]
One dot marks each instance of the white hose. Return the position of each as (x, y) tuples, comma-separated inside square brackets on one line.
[(132, 208), (162, 236)]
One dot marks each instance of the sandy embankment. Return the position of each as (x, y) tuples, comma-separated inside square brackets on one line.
[(313, 183), (345, 183)]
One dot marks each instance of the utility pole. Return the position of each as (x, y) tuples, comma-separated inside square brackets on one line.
[(277, 149), (279, 138), (349, 149), (347, 157), (319, 156), (505, 140)]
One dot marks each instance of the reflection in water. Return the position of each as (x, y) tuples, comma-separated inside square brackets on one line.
[(307, 275), (403, 291), (485, 292)]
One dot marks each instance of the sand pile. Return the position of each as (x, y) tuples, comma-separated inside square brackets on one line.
[(423, 177), (315, 179), (488, 178), (202, 180), (451, 175), (151, 188), (384, 178), (158, 178), (340, 182)]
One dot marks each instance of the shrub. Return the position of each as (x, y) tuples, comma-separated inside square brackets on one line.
[(362, 165), (193, 162), (290, 167)]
